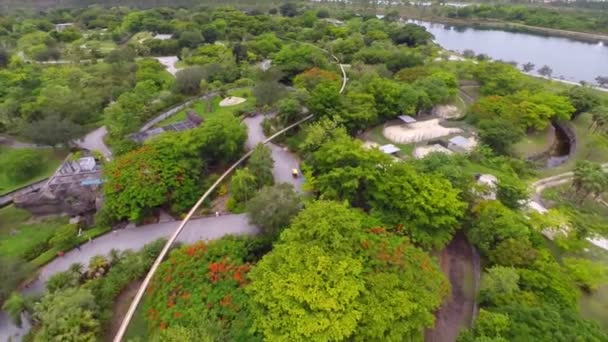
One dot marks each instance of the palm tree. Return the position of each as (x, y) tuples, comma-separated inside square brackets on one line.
[(589, 178), (600, 119)]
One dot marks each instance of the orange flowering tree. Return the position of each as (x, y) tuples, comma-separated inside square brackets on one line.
[(203, 283)]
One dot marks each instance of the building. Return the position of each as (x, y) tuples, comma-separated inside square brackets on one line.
[(461, 144), (61, 27), (74, 189), (192, 120), (389, 149)]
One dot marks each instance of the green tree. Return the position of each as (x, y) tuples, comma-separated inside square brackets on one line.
[(587, 274), (69, 315), (511, 252), (497, 285), (411, 35), (427, 207), (261, 164), (324, 100), (288, 9), (221, 139), (188, 81), (12, 272), (589, 178), (489, 326), (498, 78), (358, 112), (22, 164), (243, 185), (273, 207), (268, 92), (334, 279), (584, 99), (493, 223), (15, 306), (511, 191), (295, 58), (53, 131), (500, 134), (190, 39)]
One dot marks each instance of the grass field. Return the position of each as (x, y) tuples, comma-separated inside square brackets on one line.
[(534, 143), (18, 233), (51, 161), (138, 328), (200, 107)]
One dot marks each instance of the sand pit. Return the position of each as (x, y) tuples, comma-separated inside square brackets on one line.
[(232, 101), (418, 131), (447, 112), (169, 64), (423, 151)]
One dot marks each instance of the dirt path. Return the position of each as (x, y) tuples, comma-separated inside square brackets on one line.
[(121, 305), (459, 265)]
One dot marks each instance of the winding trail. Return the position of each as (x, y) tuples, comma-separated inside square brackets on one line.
[(185, 231), (94, 141)]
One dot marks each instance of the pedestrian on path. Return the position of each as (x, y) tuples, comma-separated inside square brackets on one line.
[(78, 248)]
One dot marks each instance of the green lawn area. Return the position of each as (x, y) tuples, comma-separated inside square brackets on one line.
[(140, 37), (590, 146), (51, 161), (138, 328), (533, 143), (593, 306), (17, 235), (200, 107)]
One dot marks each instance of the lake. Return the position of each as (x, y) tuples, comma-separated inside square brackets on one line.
[(573, 60)]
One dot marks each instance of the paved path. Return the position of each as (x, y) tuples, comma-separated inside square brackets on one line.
[(284, 161), (133, 238), (94, 141)]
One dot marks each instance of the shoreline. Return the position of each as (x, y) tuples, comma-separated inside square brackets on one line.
[(586, 37)]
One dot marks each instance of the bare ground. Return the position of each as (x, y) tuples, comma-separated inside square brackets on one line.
[(459, 265)]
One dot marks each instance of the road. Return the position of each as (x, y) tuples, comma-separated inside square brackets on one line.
[(133, 238), (284, 161), (94, 141)]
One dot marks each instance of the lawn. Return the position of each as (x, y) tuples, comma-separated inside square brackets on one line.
[(534, 143), (200, 107), (590, 146), (593, 306), (138, 328), (51, 161), (18, 234)]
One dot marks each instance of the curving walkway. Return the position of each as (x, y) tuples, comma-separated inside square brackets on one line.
[(207, 228), (94, 142)]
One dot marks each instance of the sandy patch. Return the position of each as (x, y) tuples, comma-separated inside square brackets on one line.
[(423, 151), (231, 101), (418, 131), (447, 112), (370, 144), (169, 64)]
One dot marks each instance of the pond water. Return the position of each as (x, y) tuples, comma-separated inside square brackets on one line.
[(570, 59)]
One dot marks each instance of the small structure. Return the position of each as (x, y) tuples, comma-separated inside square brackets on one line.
[(423, 151), (334, 22), (389, 149), (74, 189), (231, 101), (488, 183), (461, 144), (162, 36), (192, 120), (407, 119), (63, 26)]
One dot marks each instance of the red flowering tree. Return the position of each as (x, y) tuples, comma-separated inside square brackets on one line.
[(201, 283)]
